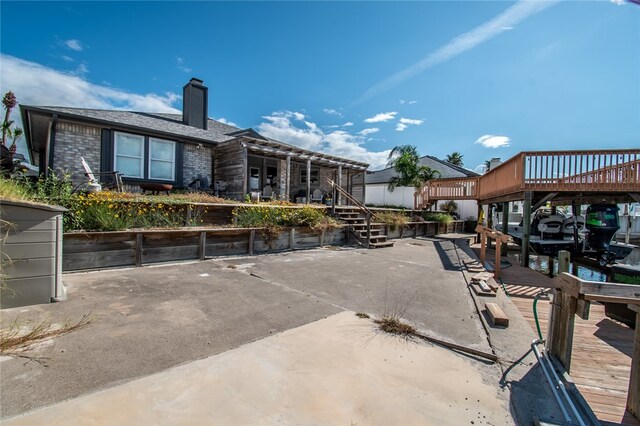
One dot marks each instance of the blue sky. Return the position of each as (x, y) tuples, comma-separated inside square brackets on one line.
[(486, 79)]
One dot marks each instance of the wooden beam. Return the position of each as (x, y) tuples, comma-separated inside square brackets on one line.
[(288, 179), (339, 184), (496, 314), (245, 171), (505, 225), (138, 249), (202, 243), (252, 238), (561, 339), (526, 231), (308, 180)]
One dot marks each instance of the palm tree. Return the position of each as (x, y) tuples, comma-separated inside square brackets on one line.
[(410, 172), (455, 158)]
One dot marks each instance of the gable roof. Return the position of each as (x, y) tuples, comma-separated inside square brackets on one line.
[(447, 170)]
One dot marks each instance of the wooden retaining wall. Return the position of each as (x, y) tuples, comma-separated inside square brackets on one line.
[(425, 229), (99, 250)]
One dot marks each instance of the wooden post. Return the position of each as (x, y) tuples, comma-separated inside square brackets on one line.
[(483, 246), (496, 266), (334, 194), (561, 338), (308, 180), (339, 181), (245, 172), (202, 245), (526, 231), (574, 211), (292, 238), (478, 222), (564, 261), (415, 231), (288, 181), (633, 397), (189, 213), (322, 238), (368, 230), (138, 249), (252, 237), (505, 226)]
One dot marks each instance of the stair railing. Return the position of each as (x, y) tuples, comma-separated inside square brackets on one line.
[(368, 213)]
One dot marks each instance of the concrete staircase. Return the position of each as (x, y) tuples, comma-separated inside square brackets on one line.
[(357, 221)]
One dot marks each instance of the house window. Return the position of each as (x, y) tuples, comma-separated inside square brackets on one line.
[(162, 159), (314, 175), (131, 153)]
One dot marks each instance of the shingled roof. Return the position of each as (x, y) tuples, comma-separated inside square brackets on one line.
[(447, 170), (171, 125)]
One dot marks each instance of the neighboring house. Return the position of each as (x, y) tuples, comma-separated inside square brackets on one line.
[(178, 148), (378, 192)]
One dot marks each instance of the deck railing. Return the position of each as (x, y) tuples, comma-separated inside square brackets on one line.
[(553, 171)]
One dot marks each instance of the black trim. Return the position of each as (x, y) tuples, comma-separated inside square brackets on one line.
[(146, 158), (179, 164), (52, 144), (106, 151)]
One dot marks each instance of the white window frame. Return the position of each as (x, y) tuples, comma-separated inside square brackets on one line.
[(115, 153), (173, 159)]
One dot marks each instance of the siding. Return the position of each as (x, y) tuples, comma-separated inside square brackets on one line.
[(229, 167), (31, 247)]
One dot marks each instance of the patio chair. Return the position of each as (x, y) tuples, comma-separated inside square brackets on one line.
[(317, 195), (267, 193), (114, 181)]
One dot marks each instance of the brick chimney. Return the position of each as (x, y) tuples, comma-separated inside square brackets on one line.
[(195, 100)]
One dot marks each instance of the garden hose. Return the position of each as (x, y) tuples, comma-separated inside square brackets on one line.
[(504, 288), (535, 312)]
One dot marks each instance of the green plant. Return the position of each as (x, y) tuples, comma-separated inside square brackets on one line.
[(455, 158), (14, 189), (449, 206), (406, 161), (393, 220), (437, 217)]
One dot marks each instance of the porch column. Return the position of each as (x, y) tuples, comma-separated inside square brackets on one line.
[(287, 185), (308, 180), (339, 184), (245, 172)]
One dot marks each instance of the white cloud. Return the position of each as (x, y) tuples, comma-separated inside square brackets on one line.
[(617, 2), (332, 111), (347, 124), (181, 66), (402, 102), (403, 123), (480, 168), (383, 116), (368, 131), (491, 141), (290, 127), (225, 121), (36, 84), (81, 69), (460, 44), (74, 44)]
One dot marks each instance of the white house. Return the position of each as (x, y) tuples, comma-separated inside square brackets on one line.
[(378, 192)]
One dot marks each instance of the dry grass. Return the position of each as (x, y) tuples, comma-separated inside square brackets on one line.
[(393, 325), (16, 338), (362, 315)]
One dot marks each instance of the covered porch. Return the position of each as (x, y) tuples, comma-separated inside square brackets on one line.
[(264, 169)]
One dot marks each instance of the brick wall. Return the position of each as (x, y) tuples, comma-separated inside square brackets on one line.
[(72, 142), (197, 161)]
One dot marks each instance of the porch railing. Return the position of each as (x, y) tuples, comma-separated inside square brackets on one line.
[(553, 171), (368, 213)]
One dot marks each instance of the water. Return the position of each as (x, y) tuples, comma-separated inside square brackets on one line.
[(541, 264)]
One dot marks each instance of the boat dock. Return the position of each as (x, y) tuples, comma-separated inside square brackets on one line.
[(602, 347)]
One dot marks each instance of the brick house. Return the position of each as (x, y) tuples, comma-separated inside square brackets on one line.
[(178, 148)]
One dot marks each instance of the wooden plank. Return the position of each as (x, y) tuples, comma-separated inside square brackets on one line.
[(633, 398), (202, 245), (252, 238), (168, 254), (496, 314), (97, 260)]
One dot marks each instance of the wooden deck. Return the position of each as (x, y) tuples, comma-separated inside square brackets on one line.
[(602, 348)]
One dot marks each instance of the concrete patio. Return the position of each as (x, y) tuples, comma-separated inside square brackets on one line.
[(164, 337)]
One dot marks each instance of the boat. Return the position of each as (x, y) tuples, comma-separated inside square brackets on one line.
[(551, 231)]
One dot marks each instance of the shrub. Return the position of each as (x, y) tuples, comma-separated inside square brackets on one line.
[(393, 220), (263, 215), (449, 206), (470, 224), (437, 217), (11, 189)]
